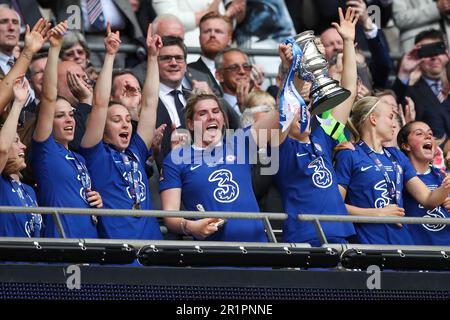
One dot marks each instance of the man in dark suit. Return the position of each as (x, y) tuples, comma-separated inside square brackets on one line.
[(172, 99), (119, 13), (215, 35), (432, 102)]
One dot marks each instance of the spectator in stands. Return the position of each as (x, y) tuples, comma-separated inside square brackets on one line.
[(114, 155), (372, 178), (191, 11), (413, 17), (427, 93), (12, 160), (168, 24), (165, 25), (75, 49), (9, 39), (306, 179), (215, 35), (75, 87), (62, 177), (94, 16), (36, 72), (172, 95), (126, 90), (417, 142), (233, 72), (380, 63)]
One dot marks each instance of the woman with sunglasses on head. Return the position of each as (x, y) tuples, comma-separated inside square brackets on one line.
[(62, 177), (306, 179), (372, 178), (416, 140), (12, 160), (114, 155)]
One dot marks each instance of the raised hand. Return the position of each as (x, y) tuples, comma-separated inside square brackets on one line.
[(154, 42), (409, 63), (346, 26), (112, 40), (242, 91), (35, 38), (178, 137), (157, 140), (20, 89), (56, 34), (410, 110), (79, 88)]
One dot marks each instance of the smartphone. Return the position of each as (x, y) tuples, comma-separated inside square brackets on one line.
[(431, 50)]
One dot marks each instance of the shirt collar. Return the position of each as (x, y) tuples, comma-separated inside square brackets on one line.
[(5, 58), (431, 82), (165, 90), (208, 62)]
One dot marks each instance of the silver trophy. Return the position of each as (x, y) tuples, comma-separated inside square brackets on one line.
[(325, 92)]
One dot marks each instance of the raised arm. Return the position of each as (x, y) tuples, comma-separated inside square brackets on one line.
[(34, 40), (150, 94), (271, 120), (346, 29), (44, 125), (95, 125), (9, 130)]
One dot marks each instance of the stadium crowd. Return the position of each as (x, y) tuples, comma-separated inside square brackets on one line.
[(147, 130)]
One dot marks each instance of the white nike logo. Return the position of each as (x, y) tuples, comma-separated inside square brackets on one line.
[(301, 154), (69, 157), (365, 168), (195, 167)]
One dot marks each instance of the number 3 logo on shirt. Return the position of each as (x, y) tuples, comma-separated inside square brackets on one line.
[(227, 189)]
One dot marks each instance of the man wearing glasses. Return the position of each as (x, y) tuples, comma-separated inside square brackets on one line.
[(233, 71), (172, 68)]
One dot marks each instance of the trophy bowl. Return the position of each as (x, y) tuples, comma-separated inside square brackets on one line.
[(325, 92)]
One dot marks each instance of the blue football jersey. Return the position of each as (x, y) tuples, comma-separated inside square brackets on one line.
[(60, 184), (111, 179), (427, 234), (18, 224), (367, 188), (217, 179), (308, 185)]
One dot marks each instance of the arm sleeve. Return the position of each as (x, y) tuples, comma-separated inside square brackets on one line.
[(170, 176), (343, 167)]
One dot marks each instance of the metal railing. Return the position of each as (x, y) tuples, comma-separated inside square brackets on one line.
[(148, 213), (365, 219)]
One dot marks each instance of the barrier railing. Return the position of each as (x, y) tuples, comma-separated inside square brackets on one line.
[(365, 219), (148, 213)]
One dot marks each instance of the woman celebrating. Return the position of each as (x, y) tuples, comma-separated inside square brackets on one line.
[(372, 178), (62, 177), (416, 140), (210, 177), (12, 160), (115, 157)]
